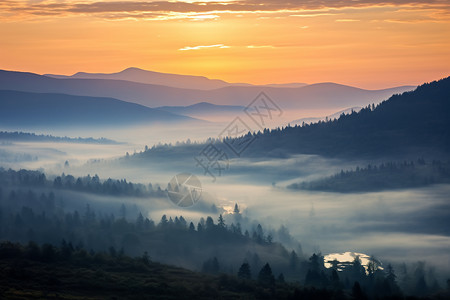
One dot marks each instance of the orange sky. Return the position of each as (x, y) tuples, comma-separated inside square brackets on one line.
[(270, 41)]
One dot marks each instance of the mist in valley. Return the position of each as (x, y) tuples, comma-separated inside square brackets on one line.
[(407, 225)]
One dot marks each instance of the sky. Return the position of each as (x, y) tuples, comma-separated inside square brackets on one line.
[(364, 43)]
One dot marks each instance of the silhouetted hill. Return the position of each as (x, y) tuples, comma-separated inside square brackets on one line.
[(316, 96), (32, 137), (145, 94), (43, 109), (386, 176), (413, 122), (150, 77), (286, 85), (167, 79)]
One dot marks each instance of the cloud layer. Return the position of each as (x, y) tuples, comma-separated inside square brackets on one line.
[(179, 9), (221, 46)]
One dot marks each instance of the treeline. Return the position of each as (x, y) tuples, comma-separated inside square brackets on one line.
[(33, 271), (92, 184), (171, 240), (20, 136), (385, 176), (67, 272), (27, 215)]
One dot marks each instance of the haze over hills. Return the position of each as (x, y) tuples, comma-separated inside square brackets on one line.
[(201, 107), (18, 109), (206, 111), (316, 96)]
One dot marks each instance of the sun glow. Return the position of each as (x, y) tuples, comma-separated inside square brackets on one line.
[(370, 46)]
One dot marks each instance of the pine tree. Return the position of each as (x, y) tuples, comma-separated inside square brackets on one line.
[(265, 276), (236, 209), (163, 222), (244, 271), (191, 227), (221, 222)]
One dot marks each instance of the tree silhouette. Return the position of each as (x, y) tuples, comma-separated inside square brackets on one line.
[(236, 209), (265, 276), (209, 223), (191, 227), (221, 222), (244, 271)]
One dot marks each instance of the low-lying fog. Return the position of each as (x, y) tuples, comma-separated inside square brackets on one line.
[(402, 225)]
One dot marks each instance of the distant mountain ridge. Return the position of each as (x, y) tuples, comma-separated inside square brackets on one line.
[(157, 78), (316, 96), (18, 109), (167, 79)]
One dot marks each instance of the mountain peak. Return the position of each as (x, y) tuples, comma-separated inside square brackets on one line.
[(133, 69)]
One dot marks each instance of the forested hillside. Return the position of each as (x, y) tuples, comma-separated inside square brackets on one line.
[(413, 121), (385, 176)]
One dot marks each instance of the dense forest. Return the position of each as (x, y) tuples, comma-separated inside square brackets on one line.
[(55, 270), (32, 271), (91, 184), (385, 176), (19, 136), (241, 259), (25, 217), (34, 208)]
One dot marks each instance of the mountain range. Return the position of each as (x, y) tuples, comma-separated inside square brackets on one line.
[(315, 96), (150, 77), (167, 79), (49, 109)]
